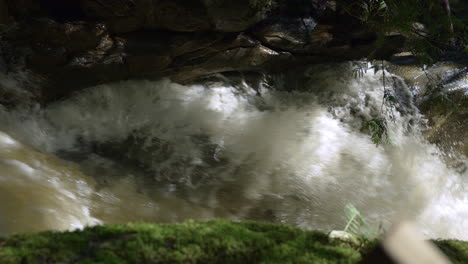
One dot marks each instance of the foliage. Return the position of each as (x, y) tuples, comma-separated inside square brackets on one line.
[(430, 29), (456, 250), (356, 224), (378, 129), (378, 126)]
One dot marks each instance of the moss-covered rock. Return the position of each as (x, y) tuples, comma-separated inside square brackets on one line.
[(456, 250), (217, 241), (190, 242)]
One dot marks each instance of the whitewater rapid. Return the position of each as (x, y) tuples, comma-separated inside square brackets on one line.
[(163, 152)]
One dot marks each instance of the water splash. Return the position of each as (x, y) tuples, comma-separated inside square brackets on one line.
[(159, 151)]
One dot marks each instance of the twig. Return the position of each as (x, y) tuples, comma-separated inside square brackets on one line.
[(384, 88)]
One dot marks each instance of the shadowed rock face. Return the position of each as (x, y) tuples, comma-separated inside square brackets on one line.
[(87, 42), (448, 117), (443, 99), (441, 95)]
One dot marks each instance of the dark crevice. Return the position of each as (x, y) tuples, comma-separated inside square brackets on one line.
[(63, 10)]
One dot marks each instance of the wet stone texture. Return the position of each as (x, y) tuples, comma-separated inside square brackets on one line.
[(88, 42)]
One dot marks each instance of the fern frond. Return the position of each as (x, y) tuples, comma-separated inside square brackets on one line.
[(379, 131), (356, 224)]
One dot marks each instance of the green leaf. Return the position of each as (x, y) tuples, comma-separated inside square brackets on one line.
[(356, 224)]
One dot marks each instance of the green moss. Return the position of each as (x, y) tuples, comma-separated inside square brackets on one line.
[(430, 31), (456, 250), (217, 241)]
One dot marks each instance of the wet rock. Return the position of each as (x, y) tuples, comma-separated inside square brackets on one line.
[(441, 94), (288, 34), (345, 237), (147, 65), (132, 15), (177, 15), (446, 108), (448, 115), (88, 42), (21, 9), (65, 80), (73, 36), (237, 59), (111, 8), (4, 16), (81, 65), (339, 39), (236, 16), (63, 11), (120, 16)]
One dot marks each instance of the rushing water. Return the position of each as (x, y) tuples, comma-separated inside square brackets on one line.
[(163, 152)]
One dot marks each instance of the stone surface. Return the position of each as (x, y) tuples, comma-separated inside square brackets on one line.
[(4, 15), (178, 15), (88, 42), (236, 16), (441, 94), (448, 115)]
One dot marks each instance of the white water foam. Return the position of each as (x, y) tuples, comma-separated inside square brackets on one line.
[(221, 151)]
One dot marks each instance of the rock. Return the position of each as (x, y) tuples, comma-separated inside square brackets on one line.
[(147, 65), (188, 56), (62, 11), (150, 55), (441, 94), (189, 43), (299, 8), (256, 58), (345, 237), (169, 43), (73, 36), (444, 102), (72, 55), (133, 15), (121, 16), (110, 8), (65, 80), (178, 15), (336, 40), (292, 34), (87, 42), (423, 82), (65, 71), (4, 16), (448, 115), (211, 46), (236, 16), (21, 9)]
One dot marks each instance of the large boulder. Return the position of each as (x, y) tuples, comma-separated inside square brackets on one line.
[(255, 58), (132, 15), (79, 43), (236, 16), (446, 108), (21, 9), (441, 94), (73, 36), (4, 16), (177, 15), (448, 115)]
